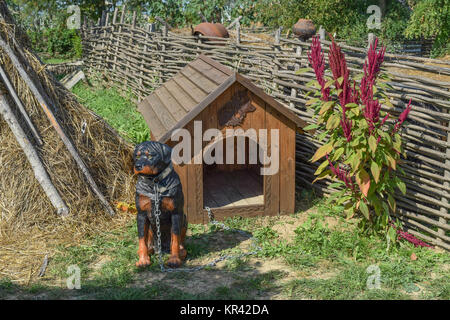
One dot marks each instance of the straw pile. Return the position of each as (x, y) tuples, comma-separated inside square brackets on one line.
[(29, 226)]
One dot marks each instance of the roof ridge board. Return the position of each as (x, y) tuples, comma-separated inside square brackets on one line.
[(216, 64), (206, 75)]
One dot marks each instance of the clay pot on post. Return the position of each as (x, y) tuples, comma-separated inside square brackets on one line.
[(304, 29), (212, 30)]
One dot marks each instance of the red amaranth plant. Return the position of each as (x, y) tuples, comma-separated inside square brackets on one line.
[(357, 135), (409, 237), (317, 61)]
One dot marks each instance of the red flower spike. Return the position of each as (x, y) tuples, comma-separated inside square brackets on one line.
[(341, 174), (317, 62), (402, 117), (409, 237)]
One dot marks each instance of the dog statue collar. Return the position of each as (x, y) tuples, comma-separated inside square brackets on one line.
[(165, 182)]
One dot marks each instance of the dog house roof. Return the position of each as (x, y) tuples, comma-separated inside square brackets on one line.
[(179, 100)]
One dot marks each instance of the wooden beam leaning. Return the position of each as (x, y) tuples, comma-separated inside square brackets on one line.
[(71, 148), (33, 158), (19, 103)]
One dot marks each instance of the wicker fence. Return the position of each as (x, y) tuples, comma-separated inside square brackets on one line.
[(133, 58)]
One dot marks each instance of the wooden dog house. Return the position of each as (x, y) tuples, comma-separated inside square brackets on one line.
[(221, 98)]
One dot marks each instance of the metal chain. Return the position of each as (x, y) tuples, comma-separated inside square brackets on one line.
[(157, 213)]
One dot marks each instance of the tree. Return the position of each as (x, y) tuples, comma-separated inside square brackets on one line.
[(431, 18)]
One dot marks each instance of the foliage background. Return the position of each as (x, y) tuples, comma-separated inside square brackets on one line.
[(45, 20)]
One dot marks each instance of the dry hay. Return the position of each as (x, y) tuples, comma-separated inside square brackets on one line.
[(29, 226)]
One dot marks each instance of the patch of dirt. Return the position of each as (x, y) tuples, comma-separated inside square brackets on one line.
[(285, 226)]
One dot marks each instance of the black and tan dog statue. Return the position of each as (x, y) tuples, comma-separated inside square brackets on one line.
[(156, 176)]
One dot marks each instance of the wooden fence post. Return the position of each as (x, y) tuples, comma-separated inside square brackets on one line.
[(370, 40), (276, 51), (165, 33), (238, 32), (298, 54), (321, 33), (113, 29)]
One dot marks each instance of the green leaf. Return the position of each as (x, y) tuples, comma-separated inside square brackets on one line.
[(322, 136), (312, 101), (375, 171), (364, 209), (323, 175), (302, 70), (392, 203), (311, 127), (355, 111), (373, 144), (340, 80), (402, 186), (351, 105), (328, 83), (338, 154), (356, 161), (326, 106), (321, 152), (333, 122), (321, 167)]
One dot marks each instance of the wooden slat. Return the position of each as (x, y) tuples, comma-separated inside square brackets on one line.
[(271, 101), (196, 93), (199, 80), (209, 71), (165, 105), (199, 108), (157, 129), (181, 97), (182, 173), (287, 168), (242, 211), (271, 182), (216, 65)]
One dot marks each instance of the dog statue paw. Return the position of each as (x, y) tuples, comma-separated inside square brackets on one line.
[(158, 182)]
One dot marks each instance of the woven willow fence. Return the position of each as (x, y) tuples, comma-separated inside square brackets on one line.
[(133, 58)]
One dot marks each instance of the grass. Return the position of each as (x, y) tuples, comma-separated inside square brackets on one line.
[(120, 112), (319, 261)]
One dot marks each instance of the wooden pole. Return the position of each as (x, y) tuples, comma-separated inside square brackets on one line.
[(19, 103), (238, 32), (370, 40), (49, 113), (33, 158), (321, 33), (298, 53), (235, 21)]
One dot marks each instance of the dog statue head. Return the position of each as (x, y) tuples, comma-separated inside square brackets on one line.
[(151, 158)]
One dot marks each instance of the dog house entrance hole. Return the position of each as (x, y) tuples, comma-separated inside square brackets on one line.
[(228, 185)]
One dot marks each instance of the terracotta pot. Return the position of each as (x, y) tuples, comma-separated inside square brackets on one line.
[(212, 30), (304, 29)]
